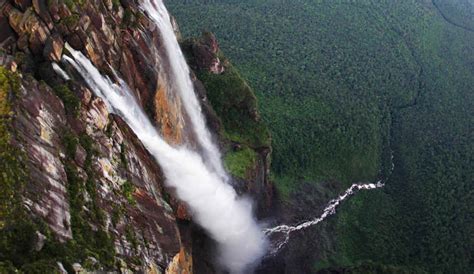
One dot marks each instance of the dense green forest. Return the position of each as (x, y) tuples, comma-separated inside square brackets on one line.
[(342, 84), (327, 112)]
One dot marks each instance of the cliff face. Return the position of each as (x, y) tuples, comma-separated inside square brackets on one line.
[(81, 191), (245, 139)]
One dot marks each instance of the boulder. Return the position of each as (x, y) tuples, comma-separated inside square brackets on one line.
[(54, 48), (205, 51)]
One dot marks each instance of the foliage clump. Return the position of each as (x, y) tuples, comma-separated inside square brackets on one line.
[(11, 168), (236, 105), (70, 100), (240, 162), (127, 190), (92, 243)]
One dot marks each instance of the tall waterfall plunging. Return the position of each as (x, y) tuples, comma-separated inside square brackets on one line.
[(214, 204), (181, 80)]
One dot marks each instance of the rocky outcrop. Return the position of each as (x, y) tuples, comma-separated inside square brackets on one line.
[(205, 51)]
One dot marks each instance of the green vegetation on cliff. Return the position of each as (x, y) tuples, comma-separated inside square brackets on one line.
[(236, 106), (87, 242), (240, 161), (71, 102), (11, 169), (341, 84), (17, 231)]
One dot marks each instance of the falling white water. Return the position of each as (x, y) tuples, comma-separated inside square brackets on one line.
[(214, 204), (286, 230), (60, 71), (157, 11)]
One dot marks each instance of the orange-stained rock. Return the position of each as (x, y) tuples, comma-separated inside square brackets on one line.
[(182, 263), (168, 115)]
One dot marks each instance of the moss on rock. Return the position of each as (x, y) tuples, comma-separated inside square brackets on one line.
[(240, 162), (235, 103), (11, 169)]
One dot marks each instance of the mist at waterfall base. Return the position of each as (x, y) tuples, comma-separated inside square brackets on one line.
[(214, 204)]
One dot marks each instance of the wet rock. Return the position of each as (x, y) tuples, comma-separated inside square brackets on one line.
[(84, 22), (176, 30), (75, 41), (7, 35), (63, 11), (54, 48), (80, 156), (168, 115), (108, 4), (97, 116), (22, 43), (182, 263), (7, 61), (53, 6)]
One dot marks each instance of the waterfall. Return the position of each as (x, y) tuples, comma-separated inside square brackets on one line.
[(284, 231), (214, 204), (61, 72), (181, 81)]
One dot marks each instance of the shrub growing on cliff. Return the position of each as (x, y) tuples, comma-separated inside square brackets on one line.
[(11, 169), (71, 103), (239, 162), (127, 191), (87, 242)]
